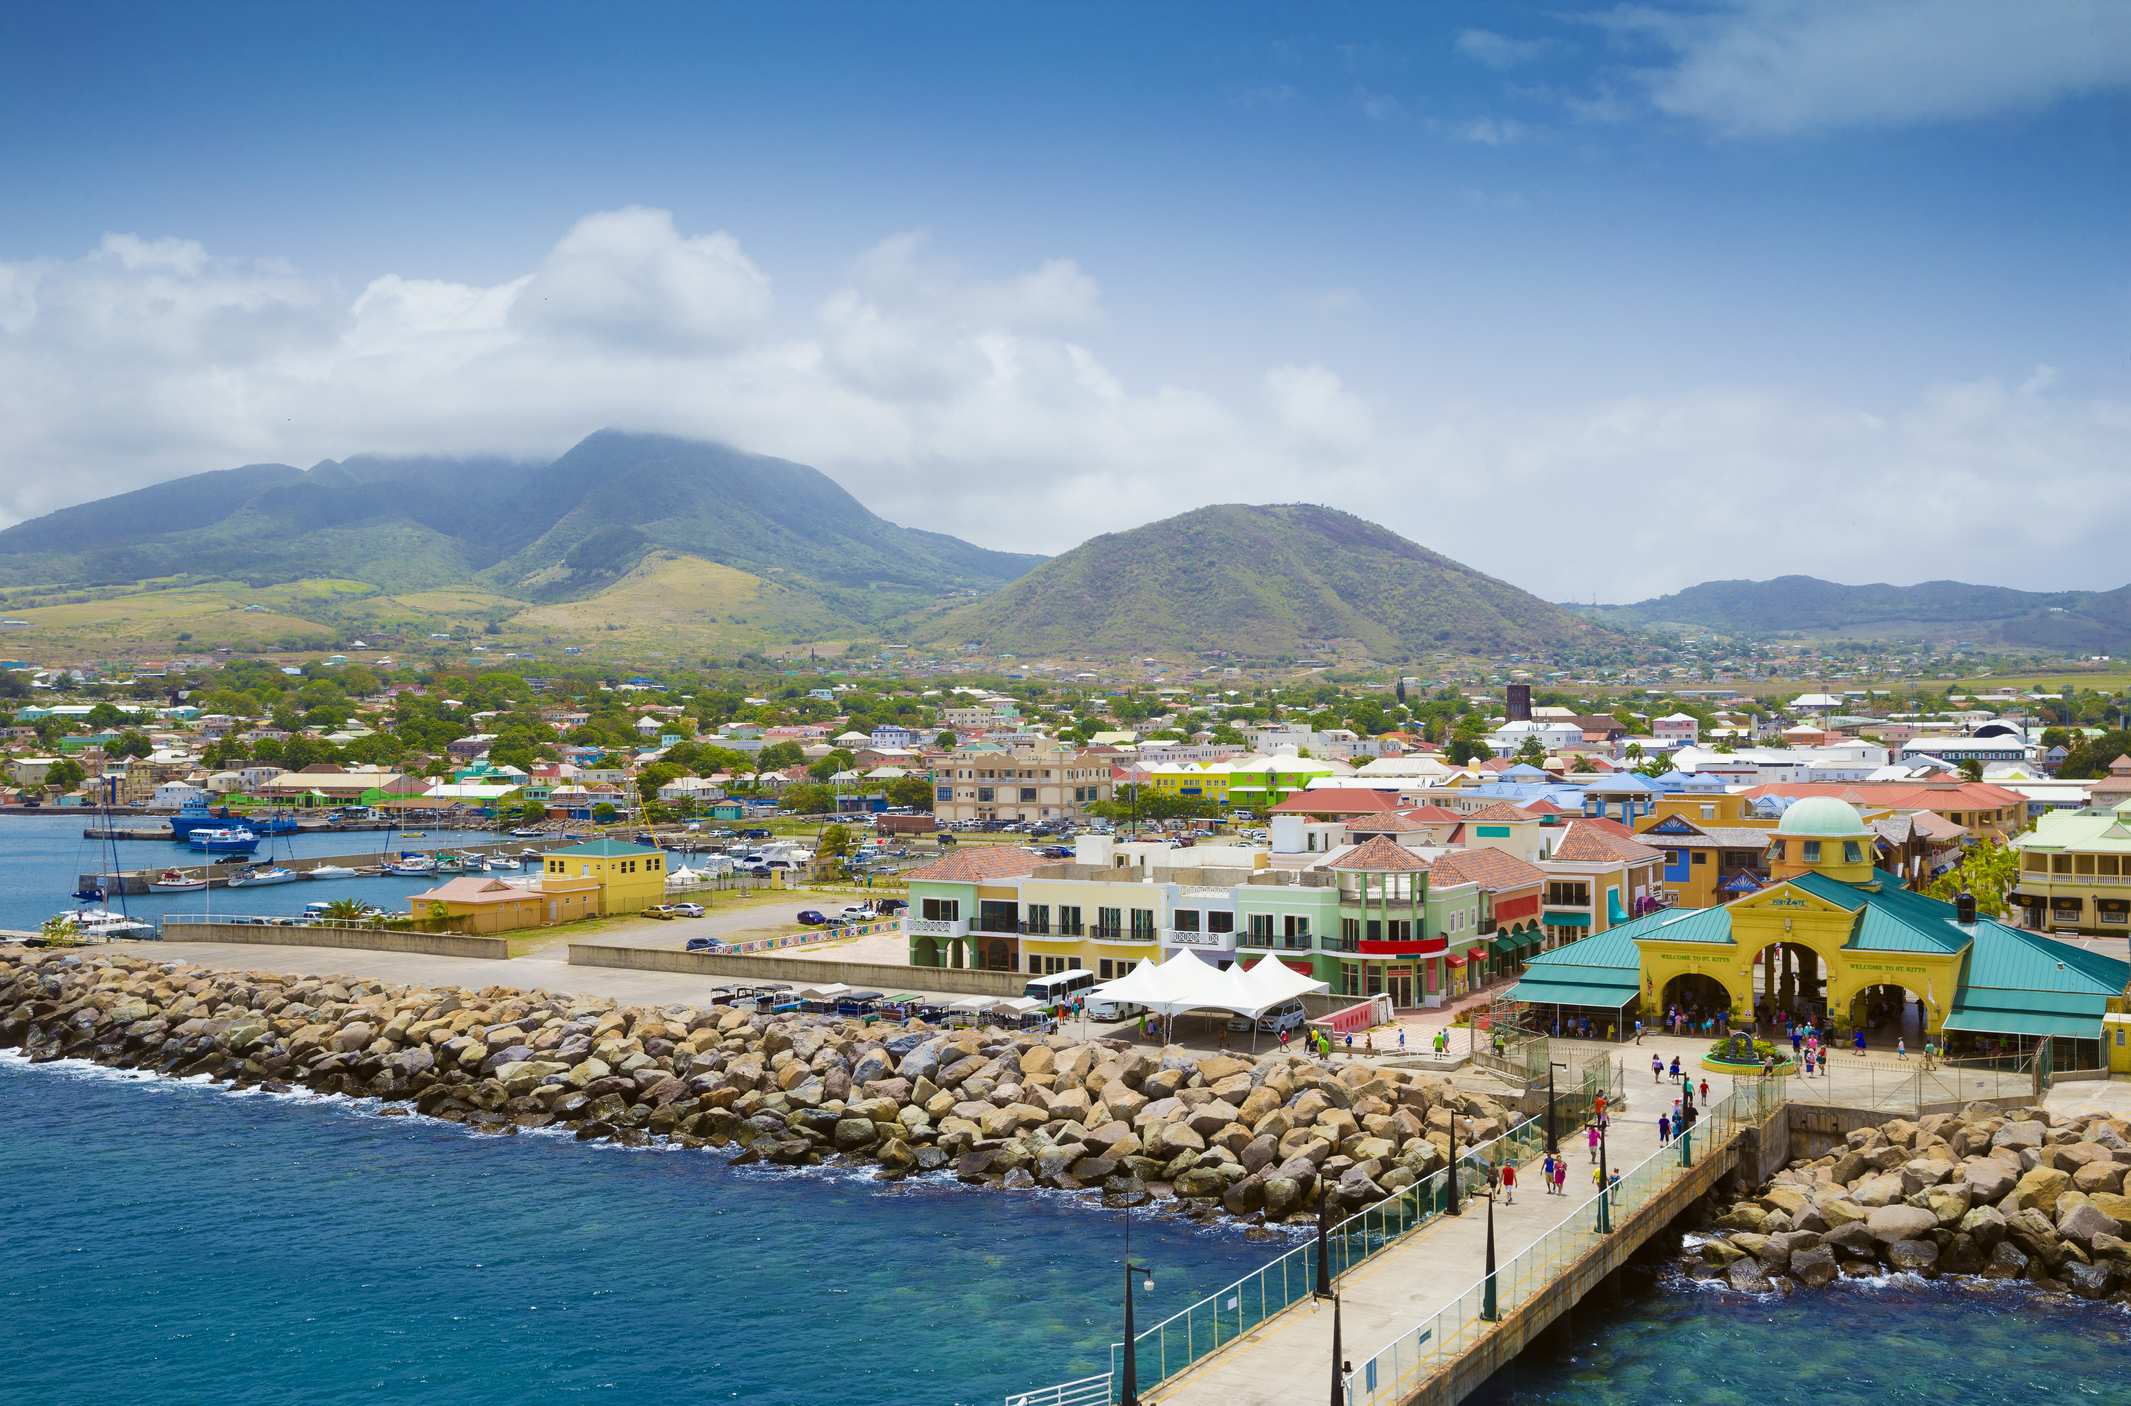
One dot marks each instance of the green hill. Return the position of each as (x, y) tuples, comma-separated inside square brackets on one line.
[(1259, 581), (537, 532), (1808, 605)]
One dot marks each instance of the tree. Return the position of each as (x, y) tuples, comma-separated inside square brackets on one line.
[(1988, 870), (1532, 752), (1460, 751), (808, 798), (822, 768), (912, 792), (64, 775), (604, 813), (130, 744), (1971, 769), (347, 910), (1583, 765), (835, 842)]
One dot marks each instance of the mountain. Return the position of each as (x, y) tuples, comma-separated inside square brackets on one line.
[(531, 531), (1259, 581), (1808, 605)]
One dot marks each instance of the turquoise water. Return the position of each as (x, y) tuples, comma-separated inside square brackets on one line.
[(175, 1242), (1663, 1341), (45, 854)]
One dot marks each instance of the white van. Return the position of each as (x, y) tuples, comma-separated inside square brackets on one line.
[(1099, 1009), (1059, 986), (1288, 1017)]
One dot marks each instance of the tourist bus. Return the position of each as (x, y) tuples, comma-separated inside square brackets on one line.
[(1059, 987)]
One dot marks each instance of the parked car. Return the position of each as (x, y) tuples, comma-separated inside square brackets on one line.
[(856, 912), (661, 912), (812, 917), (702, 944), (886, 906), (1288, 1017), (1057, 852), (1112, 1010), (686, 910)]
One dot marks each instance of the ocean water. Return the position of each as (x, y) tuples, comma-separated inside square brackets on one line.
[(46, 854), (1660, 1339), (176, 1242)]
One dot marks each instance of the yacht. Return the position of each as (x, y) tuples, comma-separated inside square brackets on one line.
[(232, 841), (260, 875), (176, 881), (329, 871), (105, 925)]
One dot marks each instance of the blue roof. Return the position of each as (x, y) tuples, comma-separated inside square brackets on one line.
[(1525, 769)]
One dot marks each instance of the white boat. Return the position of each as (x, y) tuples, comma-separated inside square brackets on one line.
[(105, 925), (176, 881), (411, 865), (261, 875), (502, 863), (330, 871)]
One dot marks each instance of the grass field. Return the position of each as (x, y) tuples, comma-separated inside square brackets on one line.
[(215, 614)]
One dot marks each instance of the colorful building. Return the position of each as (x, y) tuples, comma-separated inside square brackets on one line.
[(629, 877), (1838, 940), (2075, 872)]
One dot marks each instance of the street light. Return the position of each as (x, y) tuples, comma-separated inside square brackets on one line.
[(1553, 1142), (1490, 1309), (1605, 1214), (1131, 1384)]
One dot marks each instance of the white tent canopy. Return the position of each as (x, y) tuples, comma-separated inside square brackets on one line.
[(1187, 982)]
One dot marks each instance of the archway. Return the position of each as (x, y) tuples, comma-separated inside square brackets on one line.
[(1887, 1013), (1696, 996), (1789, 976), (924, 953), (996, 955)]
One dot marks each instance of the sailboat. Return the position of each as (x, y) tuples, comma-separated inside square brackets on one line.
[(176, 881), (260, 875)]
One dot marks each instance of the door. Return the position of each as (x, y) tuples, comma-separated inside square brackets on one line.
[(1402, 991)]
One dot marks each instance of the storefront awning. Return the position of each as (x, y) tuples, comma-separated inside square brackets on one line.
[(1567, 920), (1536, 990), (1990, 1022), (1505, 945)]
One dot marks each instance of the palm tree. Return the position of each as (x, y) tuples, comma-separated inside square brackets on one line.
[(347, 910)]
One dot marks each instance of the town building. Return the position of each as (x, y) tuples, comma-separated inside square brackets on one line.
[(2075, 872), (628, 877)]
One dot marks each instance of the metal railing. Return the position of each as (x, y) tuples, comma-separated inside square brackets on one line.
[(1872, 1086), (1393, 1372), (1213, 1322), (1088, 1391)]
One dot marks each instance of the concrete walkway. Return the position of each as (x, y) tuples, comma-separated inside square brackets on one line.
[(1289, 1359)]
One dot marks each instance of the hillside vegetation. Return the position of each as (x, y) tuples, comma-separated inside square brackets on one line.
[(1260, 581), (2071, 620)]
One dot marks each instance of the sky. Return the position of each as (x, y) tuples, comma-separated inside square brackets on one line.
[(1606, 300)]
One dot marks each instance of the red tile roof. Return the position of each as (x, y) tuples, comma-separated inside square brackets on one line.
[(1382, 855), (1338, 800), (1592, 842), (1491, 869), (977, 864)]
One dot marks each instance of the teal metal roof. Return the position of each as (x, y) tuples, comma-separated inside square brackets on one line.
[(1573, 993), (1683, 925), (1848, 897), (601, 849), (2009, 958), (1990, 1022), (1894, 918)]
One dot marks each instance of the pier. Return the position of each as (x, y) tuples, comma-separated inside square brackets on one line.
[(1421, 1321), (136, 881)]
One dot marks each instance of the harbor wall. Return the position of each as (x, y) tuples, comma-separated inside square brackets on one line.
[(136, 881), (876, 976), (431, 944)]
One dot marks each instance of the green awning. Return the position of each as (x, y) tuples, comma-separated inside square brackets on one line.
[(1506, 945), (1989, 1022), (1537, 990), (1567, 920)]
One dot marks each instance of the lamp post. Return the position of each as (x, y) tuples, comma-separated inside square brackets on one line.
[(1553, 1142), (1450, 1205), (1339, 1365), (1131, 1382), (1605, 1214), (1490, 1308)]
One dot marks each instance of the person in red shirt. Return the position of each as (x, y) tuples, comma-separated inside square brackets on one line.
[(1509, 1183)]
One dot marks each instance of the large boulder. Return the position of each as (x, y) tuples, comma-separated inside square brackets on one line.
[(2099, 1177), (2007, 1261), (1745, 1275), (2085, 1222), (2117, 1208), (2020, 1135), (2039, 1188), (1814, 1268), (1948, 1203), (1878, 1190), (1912, 1256), (1852, 1241), (2090, 1281), (1283, 1197)]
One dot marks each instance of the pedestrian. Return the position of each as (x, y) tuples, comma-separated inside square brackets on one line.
[(1664, 1130), (1705, 1092), (1561, 1176), (1675, 1066), (1600, 1110), (1797, 1038), (1402, 1039), (1657, 1069), (1221, 1036), (1901, 1048), (1509, 1183), (1368, 1042), (1638, 1030), (1546, 1174), (1283, 1039), (1592, 1138)]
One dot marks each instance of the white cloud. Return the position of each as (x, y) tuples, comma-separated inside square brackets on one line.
[(981, 407), (1500, 51), (1772, 67), (1493, 131)]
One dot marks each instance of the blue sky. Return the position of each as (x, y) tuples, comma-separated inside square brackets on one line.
[(1604, 299)]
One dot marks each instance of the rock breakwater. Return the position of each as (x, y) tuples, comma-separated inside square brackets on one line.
[(2007, 1194), (1265, 1140)]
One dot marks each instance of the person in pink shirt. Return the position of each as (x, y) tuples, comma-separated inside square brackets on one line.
[(1593, 1136)]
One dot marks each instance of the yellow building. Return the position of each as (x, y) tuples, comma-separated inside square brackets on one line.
[(484, 905), (630, 878)]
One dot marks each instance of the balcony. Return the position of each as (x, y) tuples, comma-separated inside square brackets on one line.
[(1137, 936), (936, 927), (1300, 943), (1200, 941)]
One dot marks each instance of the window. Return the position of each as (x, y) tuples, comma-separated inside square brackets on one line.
[(1035, 965), (1039, 918), (1028, 793), (1102, 968), (2060, 864), (1220, 921), (984, 793), (1812, 851), (1068, 921), (1709, 812), (1143, 925), (1110, 921), (946, 793), (1852, 852), (942, 910), (1187, 920), (1261, 927), (1072, 964), (1701, 856)]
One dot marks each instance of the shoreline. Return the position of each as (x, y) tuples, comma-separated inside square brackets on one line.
[(1990, 1195), (1216, 1138)]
